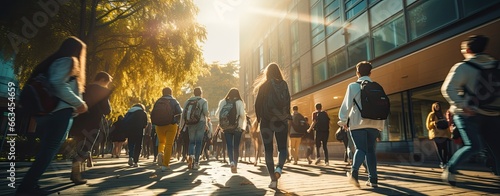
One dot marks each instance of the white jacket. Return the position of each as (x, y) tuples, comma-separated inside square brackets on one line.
[(240, 111), (349, 110)]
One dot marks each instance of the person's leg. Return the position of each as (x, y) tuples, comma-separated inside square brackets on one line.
[(236, 143), (371, 158), (468, 127), (324, 141), (230, 137), (161, 132), (267, 140), (170, 132), (281, 141), (56, 129), (198, 140), (360, 142), (318, 145), (350, 147), (137, 148), (346, 155)]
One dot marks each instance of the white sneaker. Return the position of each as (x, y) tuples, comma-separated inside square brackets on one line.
[(327, 164), (165, 169), (273, 185), (374, 185), (448, 177), (196, 166), (160, 159)]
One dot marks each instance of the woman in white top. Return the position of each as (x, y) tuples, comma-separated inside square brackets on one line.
[(232, 120)]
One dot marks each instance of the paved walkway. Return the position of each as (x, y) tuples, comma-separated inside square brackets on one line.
[(111, 176)]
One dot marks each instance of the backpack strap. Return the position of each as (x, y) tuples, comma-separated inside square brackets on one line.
[(361, 86)]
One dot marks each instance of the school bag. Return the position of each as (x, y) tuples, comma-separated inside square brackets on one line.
[(279, 100), (192, 112), (227, 116), (322, 122), (374, 101), (487, 88), (299, 124), (162, 113)]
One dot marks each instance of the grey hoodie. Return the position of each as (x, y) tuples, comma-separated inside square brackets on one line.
[(463, 75)]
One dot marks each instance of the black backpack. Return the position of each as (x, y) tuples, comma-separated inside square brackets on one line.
[(376, 104), (299, 123), (487, 88), (162, 113), (227, 116), (322, 122), (192, 112)]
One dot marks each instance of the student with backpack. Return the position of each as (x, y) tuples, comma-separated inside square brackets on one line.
[(272, 108), (473, 91), (297, 130), (438, 131), (165, 116), (366, 106), (195, 117), (232, 121), (65, 71), (134, 123), (321, 125)]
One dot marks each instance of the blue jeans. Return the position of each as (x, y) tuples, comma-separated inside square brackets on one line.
[(468, 126), (269, 130), (196, 133), (54, 129), (365, 141), (233, 145)]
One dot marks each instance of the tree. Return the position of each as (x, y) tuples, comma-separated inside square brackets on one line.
[(144, 44), (216, 84)]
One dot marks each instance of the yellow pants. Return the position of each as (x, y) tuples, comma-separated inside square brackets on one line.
[(166, 137), (294, 147)]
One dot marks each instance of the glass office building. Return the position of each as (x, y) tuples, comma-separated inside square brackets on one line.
[(412, 45)]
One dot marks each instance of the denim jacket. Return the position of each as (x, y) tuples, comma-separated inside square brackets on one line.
[(64, 87)]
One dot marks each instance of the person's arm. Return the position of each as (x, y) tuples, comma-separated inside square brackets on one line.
[(453, 87), (313, 123), (242, 118), (178, 112), (430, 123), (59, 76), (346, 106)]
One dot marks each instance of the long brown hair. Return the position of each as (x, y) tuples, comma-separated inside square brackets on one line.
[(272, 71), (71, 47)]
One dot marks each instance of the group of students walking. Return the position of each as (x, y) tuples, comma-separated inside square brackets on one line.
[(473, 117)]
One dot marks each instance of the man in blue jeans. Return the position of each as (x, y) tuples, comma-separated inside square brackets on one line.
[(475, 119), (364, 132)]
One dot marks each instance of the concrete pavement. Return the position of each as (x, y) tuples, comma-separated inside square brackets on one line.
[(111, 176)]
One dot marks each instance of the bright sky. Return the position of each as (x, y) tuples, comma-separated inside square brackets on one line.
[(220, 18)]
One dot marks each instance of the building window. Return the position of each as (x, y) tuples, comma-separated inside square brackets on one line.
[(333, 21), (473, 6), (429, 15), (358, 28), (337, 63), (317, 23), (394, 129), (294, 36), (358, 51), (296, 77), (320, 72), (384, 10), (281, 44), (389, 36), (421, 100), (354, 7)]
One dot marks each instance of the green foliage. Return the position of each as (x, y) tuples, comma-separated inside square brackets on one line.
[(145, 45)]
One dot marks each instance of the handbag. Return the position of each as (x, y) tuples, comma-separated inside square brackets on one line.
[(442, 124)]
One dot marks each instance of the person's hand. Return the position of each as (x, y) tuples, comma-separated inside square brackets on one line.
[(82, 108), (308, 130), (345, 127)]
